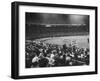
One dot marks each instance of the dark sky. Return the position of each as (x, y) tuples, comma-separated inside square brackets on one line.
[(50, 18)]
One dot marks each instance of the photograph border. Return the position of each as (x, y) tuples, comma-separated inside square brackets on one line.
[(15, 39)]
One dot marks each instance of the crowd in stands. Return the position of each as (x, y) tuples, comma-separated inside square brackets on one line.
[(39, 54)]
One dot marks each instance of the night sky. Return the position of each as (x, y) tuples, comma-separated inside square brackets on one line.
[(50, 18)]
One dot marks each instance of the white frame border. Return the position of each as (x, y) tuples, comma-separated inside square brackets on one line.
[(55, 70)]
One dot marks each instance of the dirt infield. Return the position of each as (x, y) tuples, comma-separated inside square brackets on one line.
[(80, 41)]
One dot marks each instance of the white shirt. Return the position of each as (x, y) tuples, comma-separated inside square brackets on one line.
[(35, 59)]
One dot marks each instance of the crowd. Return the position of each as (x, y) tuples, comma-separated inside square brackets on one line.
[(39, 54)]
